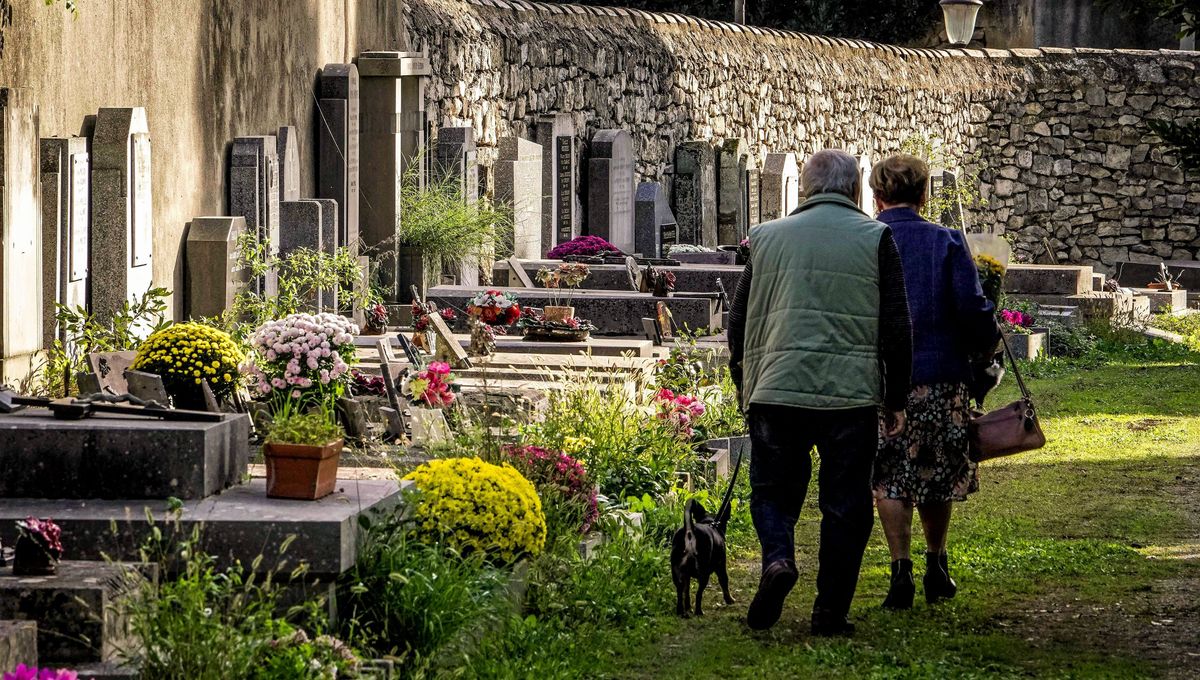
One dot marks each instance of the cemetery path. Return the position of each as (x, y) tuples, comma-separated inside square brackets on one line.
[(1082, 560)]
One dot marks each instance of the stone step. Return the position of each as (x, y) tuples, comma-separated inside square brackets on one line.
[(117, 456), (612, 312), (1042, 279), (238, 524), (18, 644), (77, 621)]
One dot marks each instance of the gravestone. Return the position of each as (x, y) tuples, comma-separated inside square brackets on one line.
[(147, 386), (732, 162), (391, 139), (653, 224), (337, 147), (254, 194), (753, 202), (780, 193), (65, 200), (329, 246), (455, 161), (212, 277), (560, 210), (287, 150), (944, 183), (518, 277), (300, 227), (695, 197), (610, 188), (866, 195), (109, 368), (519, 186), (121, 247), (20, 285)]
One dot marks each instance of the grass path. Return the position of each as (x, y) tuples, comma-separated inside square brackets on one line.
[(1082, 560)]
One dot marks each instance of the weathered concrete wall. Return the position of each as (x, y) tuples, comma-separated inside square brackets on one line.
[(206, 71), (1060, 135)]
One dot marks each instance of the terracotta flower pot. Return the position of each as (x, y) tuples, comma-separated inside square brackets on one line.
[(31, 557), (301, 472), (558, 313)]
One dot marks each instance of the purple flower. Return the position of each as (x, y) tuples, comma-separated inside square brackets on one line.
[(582, 245)]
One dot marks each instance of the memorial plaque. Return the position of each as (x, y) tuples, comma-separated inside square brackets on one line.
[(142, 210), (696, 192), (753, 215), (567, 228), (610, 188), (78, 224)]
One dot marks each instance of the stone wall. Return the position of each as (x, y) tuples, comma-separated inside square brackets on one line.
[(1059, 135)]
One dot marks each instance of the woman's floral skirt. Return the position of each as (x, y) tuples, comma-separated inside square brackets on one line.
[(928, 463)]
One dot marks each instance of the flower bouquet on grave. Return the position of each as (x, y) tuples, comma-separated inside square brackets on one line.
[(431, 387), (38, 548), (536, 326), (679, 412), (661, 281), (376, 317), (421, 313), (991, 276), (186, 355), (1015, 322), (561, 282), (494, 308), (23, 672)]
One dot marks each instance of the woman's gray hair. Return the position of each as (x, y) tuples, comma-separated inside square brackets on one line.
[(831, 171)]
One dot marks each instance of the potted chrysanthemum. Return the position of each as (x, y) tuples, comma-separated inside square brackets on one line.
[(301, 366)]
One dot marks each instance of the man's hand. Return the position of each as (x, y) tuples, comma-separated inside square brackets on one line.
[(894, 423)]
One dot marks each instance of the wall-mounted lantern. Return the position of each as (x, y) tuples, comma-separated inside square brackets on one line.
[(960, 19)]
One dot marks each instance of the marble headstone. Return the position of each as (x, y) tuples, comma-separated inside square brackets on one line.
[(337, 147), (732, 162), (653, 224), (780, 193), (519, 188), (560, 210), (65, 216), (212, 276), (254, 194), (21, 311), (695, 193), (610, 188), (121, 247), (287, 149)]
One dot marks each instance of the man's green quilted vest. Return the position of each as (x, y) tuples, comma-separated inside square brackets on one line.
[(812, 322)]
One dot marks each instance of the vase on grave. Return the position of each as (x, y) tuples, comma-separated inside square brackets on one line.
[(556, 313), (301, 471), (38, 548), (193, 397), (1027, 346)]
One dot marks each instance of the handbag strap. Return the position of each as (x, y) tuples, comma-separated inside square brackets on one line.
[(1016, 371)]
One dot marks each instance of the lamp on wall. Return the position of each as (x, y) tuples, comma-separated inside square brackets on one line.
[(960, 19)]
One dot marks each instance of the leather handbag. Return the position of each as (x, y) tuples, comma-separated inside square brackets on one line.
[(1008, 430)]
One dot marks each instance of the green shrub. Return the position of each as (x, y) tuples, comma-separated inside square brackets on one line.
[(305, 429)]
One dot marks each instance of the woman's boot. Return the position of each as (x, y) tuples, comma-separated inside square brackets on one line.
[(900, 594), (938, 584)]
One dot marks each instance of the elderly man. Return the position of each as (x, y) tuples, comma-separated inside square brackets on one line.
[(819, 341)]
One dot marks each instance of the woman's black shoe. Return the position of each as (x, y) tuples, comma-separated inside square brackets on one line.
[(938, 584), (903, 588)]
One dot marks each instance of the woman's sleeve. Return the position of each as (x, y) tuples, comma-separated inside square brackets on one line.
[(978, 328)]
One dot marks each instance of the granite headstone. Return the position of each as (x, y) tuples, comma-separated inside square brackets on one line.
[(65, 212), (300, 227), (732, 163), (653, 220), (695, 193), (519, 188), (337, 147), (212, 276), (560, 212), (254, 194), (780, 192), (456, 162), (610, 188)]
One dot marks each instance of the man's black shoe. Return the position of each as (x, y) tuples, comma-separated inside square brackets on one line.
[(777, 581), (825, 624)]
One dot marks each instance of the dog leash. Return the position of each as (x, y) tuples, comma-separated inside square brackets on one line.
[(727, 503)]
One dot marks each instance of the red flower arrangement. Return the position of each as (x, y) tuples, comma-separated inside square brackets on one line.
[(494, 308), (432, 385), (45, 532), (556, 472), (365, 384), (422, 312)]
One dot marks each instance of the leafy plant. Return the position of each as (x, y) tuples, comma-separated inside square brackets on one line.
[(314, 428), (939, 155), (1182, 139), (84, 334)]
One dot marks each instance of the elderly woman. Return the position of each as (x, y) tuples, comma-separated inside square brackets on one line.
[(927, 466)]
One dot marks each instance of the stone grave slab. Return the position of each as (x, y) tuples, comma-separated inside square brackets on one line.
[(239, 524), (560, 210), (1140, 274), (779, 192), (1164, 301), (212, 277), (519, 188), (18, 644), (66, 182), (1042, 279), (337, 146), (688, 278), (21, 311), (613, 312), (695, 193), (117, 456), (121, 247), (732, 163), (73, 609), (611, 187)]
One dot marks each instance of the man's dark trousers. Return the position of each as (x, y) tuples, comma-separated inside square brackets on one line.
[(780, 468)]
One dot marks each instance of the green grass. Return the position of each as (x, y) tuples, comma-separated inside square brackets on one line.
[(1064, 559)]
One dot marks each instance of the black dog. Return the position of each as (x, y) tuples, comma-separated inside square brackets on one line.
[(698, 551)]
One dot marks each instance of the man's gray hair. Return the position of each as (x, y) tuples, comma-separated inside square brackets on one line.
[(831, 171)]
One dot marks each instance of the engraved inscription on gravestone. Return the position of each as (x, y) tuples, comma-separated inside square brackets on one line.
[(78, 237), (565, 189), (140, 197), (686, 211), (752, 198)]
